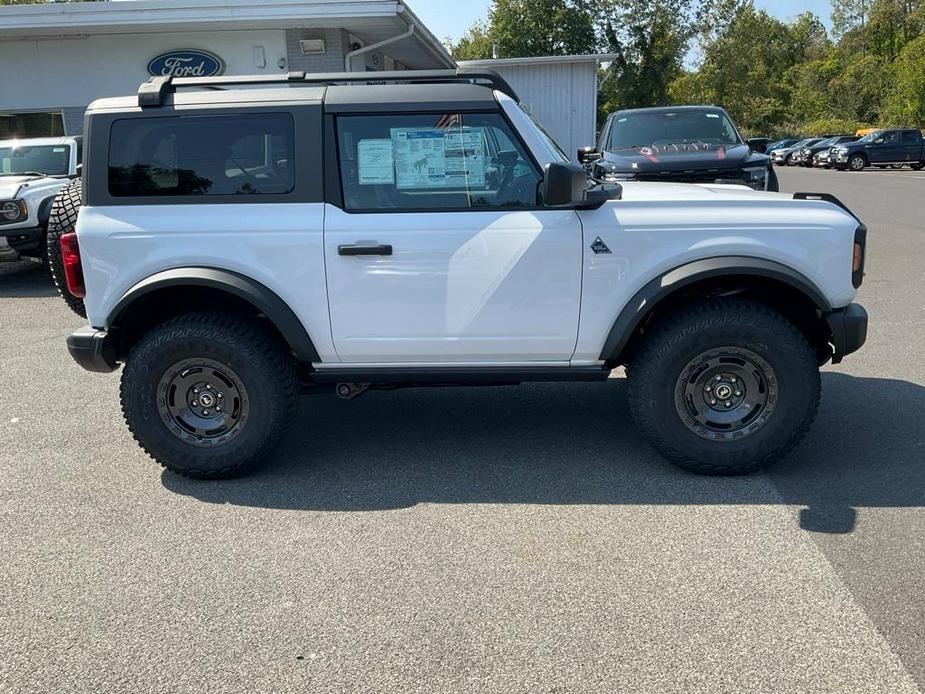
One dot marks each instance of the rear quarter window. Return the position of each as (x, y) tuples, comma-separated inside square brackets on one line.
[(195, 156)]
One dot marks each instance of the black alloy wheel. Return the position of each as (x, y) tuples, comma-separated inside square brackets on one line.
[(726, 393)]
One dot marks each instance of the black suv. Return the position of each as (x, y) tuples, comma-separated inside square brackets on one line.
[(882, 148), (687, 144)]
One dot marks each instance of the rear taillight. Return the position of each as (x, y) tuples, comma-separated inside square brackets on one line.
[(73, 272)]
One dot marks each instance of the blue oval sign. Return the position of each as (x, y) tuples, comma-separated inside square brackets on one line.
[(192, 63)]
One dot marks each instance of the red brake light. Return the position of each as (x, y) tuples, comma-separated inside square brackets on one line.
[(73, 272)]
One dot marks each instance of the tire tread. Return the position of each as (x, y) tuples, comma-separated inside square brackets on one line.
[(257, 345), (674, 329)]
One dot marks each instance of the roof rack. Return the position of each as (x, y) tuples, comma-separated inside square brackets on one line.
[(154, 92)]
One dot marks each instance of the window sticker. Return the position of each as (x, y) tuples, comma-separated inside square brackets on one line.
[(439, 158), (376, 162), (420, 157), (59, 150), (465, 158)]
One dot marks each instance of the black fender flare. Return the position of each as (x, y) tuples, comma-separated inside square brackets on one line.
[(253, 292), (45, 209), (669, 282)]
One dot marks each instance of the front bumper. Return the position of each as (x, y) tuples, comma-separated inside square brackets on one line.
[(94, 350), (14, 242), (849, 330)]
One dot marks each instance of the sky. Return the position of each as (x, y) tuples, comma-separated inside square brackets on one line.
[(451, 18)]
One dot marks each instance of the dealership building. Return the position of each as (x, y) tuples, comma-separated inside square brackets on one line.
[(55, 59)]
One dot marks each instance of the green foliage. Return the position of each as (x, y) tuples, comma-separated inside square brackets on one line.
[(475, 44), (774, 77), (783, 77), (530, 27), (905, 103), (649, 40), (827, 126)]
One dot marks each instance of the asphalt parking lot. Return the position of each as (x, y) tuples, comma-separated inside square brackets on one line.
[(496, 540)]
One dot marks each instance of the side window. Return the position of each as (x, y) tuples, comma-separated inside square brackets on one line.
[(434, 162), (201, 155), (910, 137), (890, 138)]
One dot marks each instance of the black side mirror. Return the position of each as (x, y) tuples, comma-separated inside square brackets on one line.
[(588, 155), (564, 184), (758, 144)]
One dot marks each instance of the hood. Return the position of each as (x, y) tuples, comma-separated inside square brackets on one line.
[(684, 157), (10, 185), (661, 192)]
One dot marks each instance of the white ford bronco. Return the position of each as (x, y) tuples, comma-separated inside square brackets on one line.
[(242, 240), (32, 172)]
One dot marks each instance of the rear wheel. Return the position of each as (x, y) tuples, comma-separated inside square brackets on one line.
[(916, 167), (208, 395), (724, 387), (62, 220)]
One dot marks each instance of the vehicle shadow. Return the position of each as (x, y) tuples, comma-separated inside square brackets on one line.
[(573, 444), (25, 280)]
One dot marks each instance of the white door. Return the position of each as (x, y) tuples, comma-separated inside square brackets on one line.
[(441, 254)]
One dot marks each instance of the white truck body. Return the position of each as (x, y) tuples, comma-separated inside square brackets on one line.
[(492, 287)]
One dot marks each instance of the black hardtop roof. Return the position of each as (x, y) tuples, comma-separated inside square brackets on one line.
[(671, 109), (406, 86)]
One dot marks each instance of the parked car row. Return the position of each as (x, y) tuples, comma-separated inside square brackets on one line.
[(879, 148)]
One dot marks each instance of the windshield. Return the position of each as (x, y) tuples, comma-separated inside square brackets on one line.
[(870, 137), (547, 138), (49, 160), (671, 128), (780, 144), (828, 142)]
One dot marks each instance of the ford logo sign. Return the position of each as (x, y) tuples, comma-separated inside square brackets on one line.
[(194, 63)]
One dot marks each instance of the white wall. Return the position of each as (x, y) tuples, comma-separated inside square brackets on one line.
[(68, 72), (561, 96)]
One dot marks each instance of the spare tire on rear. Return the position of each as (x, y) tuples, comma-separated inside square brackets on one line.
[(62, 220)]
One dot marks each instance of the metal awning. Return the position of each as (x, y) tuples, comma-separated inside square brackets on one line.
[(371, 21)]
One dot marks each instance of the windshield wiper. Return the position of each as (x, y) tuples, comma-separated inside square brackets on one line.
[(24, 173)]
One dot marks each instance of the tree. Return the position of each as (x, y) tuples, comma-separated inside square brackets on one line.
[(765, 72), (905, 103), (649, 40), (524, 28)]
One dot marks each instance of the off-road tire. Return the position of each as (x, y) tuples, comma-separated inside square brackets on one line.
[(655, 370), (853, 165), (243, 346), (62, 220)]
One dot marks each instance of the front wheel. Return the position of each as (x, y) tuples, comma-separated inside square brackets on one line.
[(208, 395), (857, 162), (725, 387)]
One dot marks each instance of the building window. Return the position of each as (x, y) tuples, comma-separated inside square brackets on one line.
[(18, 126)]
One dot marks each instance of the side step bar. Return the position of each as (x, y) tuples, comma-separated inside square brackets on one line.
[(458, 376)]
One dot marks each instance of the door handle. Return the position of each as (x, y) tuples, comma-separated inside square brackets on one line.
[(365, 249)]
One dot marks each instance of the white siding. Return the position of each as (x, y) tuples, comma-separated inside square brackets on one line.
[(72, 72), (562, 96)]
